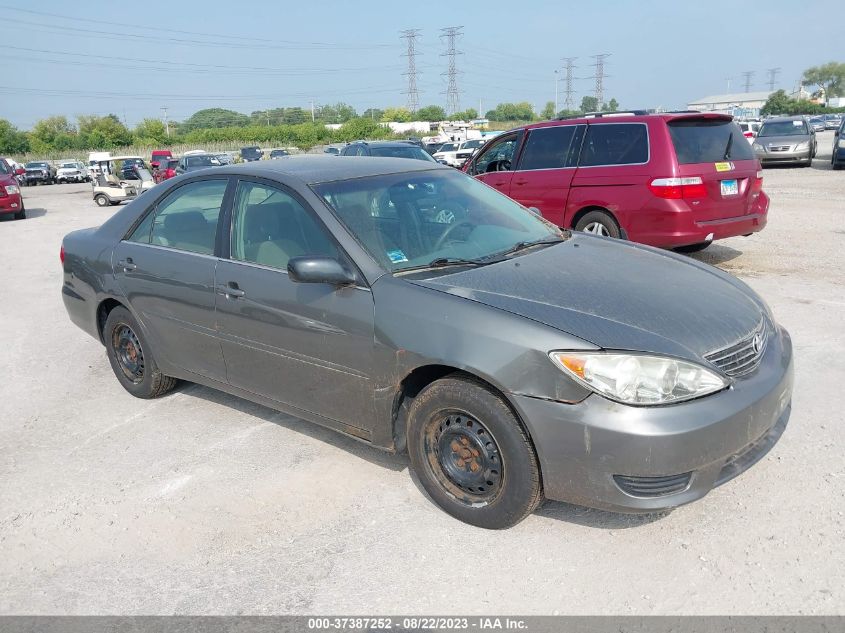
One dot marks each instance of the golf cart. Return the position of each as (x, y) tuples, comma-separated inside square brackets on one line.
[(108, 188)]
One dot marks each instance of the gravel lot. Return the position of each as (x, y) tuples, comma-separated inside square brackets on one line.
[(204, 503)]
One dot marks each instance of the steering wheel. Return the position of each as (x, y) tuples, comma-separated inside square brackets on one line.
[(502, 164), (452, 227)]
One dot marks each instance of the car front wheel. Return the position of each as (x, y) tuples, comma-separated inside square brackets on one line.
[(598, 223), (472, 455), (131, 357)]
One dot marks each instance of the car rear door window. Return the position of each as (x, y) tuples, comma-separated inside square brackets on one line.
[(615, 144), (708, 141), (270, 227), (187, 218), (547, 148)]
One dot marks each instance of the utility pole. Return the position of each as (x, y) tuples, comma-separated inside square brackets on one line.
[(312, 110), (748, 75), (599, 77), (453, 95), (729, 80), (557, 83), (773, 77), (166, 122), (569, 66), (411, 35)]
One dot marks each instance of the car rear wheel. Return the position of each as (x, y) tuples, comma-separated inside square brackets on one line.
[(131, 358), (472, 455), (692, 248), (101, 200), (598, 223)]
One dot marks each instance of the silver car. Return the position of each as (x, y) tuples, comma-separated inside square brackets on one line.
[(785, 140)]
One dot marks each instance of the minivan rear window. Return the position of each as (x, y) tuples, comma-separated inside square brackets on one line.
[(615, 144), (708, 141)]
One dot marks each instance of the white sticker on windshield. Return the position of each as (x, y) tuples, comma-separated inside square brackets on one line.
[(798, 123)]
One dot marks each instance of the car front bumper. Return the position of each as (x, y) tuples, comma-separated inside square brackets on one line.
[(774, 158), (606, 455), (839, 155), (11, 203)]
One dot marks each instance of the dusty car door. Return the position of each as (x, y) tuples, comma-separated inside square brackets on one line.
[(165, 268), (494, 165), (307, 345)]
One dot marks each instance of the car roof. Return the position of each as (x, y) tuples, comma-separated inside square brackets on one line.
[(612, 117), (316, 168), (776, 119), (386, 143)]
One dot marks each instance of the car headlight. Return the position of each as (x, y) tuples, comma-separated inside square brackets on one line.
[(12, 189), (802, 146), (639, 379), (757, 147), (841, 143)]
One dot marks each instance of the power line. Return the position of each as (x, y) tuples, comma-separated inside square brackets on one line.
[(599, 77), (569, 90), (773, 77), (453, 95), (411, 36), (747, 76)]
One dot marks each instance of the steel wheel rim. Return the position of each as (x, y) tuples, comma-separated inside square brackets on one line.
[(597, 228), (129, 354), (464, 457)]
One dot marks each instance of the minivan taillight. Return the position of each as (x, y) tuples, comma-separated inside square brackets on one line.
[(757, 185), (62, 254), (678, 188)]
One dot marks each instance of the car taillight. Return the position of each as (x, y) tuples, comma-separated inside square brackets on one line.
[(748, 134), (678, 188), (757, 185), (62, 254)]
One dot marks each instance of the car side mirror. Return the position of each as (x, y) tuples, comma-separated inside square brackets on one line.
[(319, 270), (535, 211), (836, 133)]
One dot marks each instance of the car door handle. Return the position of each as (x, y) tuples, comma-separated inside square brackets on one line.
[(127, 264), (520, 182), (230, 291)]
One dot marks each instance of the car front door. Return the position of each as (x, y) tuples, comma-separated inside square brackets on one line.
[(165, 268), (494, 165), (306, 345), (546, 166)]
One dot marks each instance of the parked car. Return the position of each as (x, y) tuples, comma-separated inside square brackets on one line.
[(390, 149), (278, 153), (225, 158), (333, 149), (72, 171), (251, 153), (837, 157), (158, 156), (832, 121), (448, 154), (785, 140), (194, 162), (466, 150), (817, 124), (11, 201), (129, 166), (749, 129), (432, 148), (461, 343), (39, 172), (674, 180), (166, 169)]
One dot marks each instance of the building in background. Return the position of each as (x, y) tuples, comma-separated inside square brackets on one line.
[(743, 105)]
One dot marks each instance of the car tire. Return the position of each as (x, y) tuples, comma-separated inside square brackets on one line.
[(599, 223), (101, 200), (21, 215), (471, 454), (836, 166), (692, 248), (131, 358)]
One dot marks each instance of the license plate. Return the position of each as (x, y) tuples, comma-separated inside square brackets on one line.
[(730, 187)]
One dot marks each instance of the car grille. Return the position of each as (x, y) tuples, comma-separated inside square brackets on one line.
[(779, 148), (652, 486), (744, 356)]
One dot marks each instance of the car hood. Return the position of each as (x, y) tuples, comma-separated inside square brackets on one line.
[(615, 295), (783, 140)]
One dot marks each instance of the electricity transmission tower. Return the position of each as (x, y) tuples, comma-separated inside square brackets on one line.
[(453, 95), (411, 35), (773, 77), (748, 75), (599, 77), (568, 79)]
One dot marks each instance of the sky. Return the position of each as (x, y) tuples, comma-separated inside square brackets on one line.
[(129, 59)]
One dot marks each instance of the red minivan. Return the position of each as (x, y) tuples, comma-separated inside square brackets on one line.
[(674, 180)]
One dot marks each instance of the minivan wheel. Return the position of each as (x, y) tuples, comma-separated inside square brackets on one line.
[(131, 358), (598, 223), (471, 454)]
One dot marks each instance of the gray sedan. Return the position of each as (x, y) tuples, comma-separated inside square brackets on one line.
[(416, 309), (785, 140)]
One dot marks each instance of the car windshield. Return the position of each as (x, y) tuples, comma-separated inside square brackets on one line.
[(4, 168), (401, 151), (35, 165), (448, 147), (472, 144), (784, 128), (68, 166), (201, 161), (433, 218)]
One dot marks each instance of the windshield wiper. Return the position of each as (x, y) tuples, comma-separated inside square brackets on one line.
[(521, 246), (728, 148), (440, 262)]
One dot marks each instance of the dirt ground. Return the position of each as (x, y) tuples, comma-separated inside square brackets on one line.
[(201, 503)]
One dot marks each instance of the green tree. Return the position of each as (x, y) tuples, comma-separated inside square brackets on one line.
[(151, 131), (612, 106), (467, 115), (102, 131), (549, 111), (522, 111), (589, 104), (215, 117), (399, 115), (777, 103), (12, 141), (337, 113), (430, 113), (53, 133), (829, 77), (374, 114)]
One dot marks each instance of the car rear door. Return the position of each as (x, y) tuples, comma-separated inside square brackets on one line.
[(495, 163), (715, 150), (545, 169), (166, 267)]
